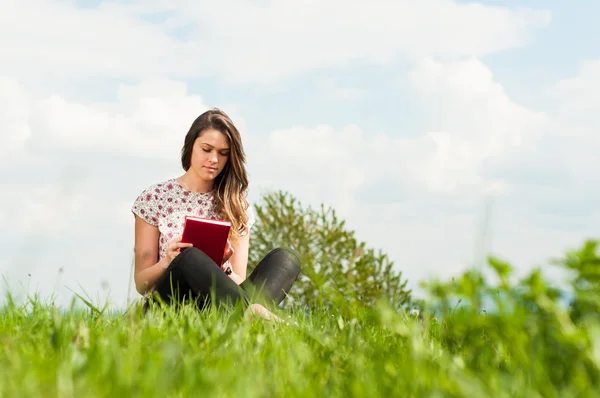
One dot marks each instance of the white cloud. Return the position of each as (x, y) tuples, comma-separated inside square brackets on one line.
[(14, 130), (577, 99), (38, 35), (240, 42), (576, 105), (319, 163), (473, 119), (147, 120), (331, 91), (287, 38)]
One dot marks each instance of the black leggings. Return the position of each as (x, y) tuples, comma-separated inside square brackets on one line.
[(194, 277)]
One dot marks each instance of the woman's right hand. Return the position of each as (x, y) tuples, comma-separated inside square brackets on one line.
[(174, 248)]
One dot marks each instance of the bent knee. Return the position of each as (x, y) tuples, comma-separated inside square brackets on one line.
[(288, 254)]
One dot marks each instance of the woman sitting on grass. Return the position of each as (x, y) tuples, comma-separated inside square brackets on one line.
[(214, 186)]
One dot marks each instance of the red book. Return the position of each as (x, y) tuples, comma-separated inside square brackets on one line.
[(210, 236)]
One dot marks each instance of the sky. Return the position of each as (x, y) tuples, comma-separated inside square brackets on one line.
[(441, 131)]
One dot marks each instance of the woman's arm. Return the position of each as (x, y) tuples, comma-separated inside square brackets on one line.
[(147, 269), (239, 259)]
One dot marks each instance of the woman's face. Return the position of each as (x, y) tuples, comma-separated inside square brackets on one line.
[(209, 154)]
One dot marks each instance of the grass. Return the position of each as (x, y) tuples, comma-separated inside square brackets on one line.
[(530, 346)]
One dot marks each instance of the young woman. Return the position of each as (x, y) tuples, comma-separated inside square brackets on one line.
[(214, 186)]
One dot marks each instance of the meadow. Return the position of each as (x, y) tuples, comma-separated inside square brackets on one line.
[(530, 344)]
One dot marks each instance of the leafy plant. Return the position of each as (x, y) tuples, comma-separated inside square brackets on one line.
[(336, 268)]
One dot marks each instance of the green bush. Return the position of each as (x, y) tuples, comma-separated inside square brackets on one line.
[(336, 268)]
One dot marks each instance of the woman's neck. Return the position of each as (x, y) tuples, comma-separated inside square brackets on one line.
[(195, 184)]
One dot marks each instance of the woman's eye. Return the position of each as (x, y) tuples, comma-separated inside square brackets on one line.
[(206, 150), (224, 154)]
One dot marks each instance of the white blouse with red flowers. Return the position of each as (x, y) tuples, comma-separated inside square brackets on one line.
[(166, 204)]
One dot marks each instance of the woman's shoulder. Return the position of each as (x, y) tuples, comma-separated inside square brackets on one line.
[(149, 202)]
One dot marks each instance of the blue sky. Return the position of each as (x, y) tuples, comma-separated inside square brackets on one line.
[(406, 117), (555, 51)]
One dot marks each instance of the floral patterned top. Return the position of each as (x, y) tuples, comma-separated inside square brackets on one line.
[(166, 204)]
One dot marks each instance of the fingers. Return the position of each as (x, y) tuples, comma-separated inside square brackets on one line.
[(176, 245)]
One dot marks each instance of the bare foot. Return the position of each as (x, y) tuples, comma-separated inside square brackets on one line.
[(261, 311)]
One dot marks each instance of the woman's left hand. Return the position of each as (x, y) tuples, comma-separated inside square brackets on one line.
[(228, 253)]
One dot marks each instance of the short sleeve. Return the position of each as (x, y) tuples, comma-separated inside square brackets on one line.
[(144, 207), (251, 216)]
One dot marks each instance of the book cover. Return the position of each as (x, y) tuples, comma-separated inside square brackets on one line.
[(208, 235)]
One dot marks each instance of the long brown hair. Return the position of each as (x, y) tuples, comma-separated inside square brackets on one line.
[(231, 185)]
